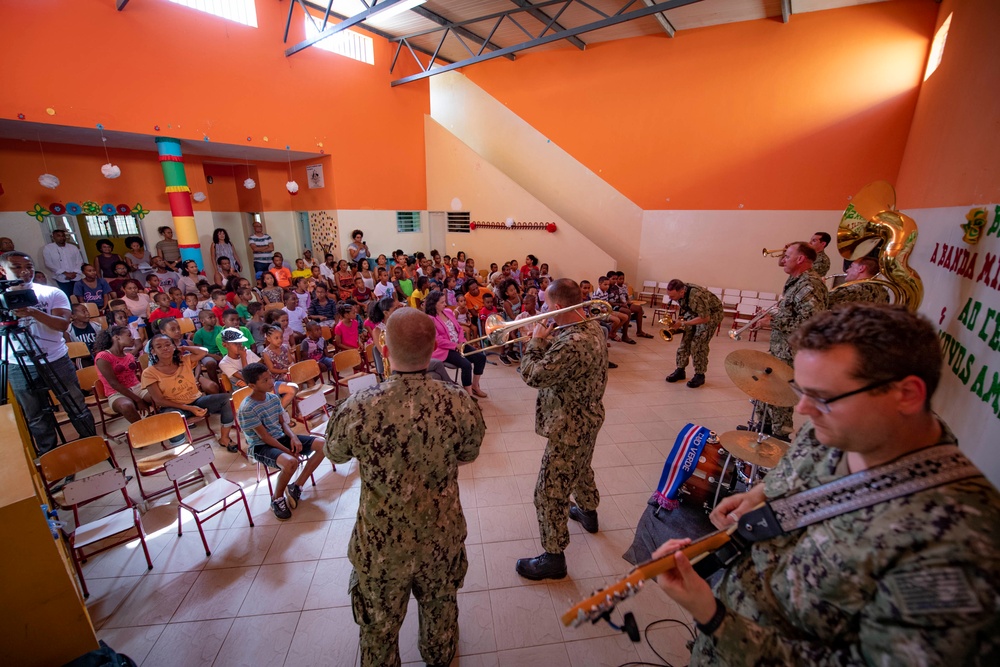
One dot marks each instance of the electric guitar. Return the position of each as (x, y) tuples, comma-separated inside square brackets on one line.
[(722, 544)]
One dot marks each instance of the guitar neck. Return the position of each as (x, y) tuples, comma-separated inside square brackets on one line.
[(605, 599)]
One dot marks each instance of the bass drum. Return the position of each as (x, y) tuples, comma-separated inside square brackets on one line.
[(699, 489)]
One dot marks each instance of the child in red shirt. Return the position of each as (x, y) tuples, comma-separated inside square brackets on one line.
[(163, 308)]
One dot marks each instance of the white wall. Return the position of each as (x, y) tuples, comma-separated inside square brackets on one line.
[(455, 171), (550, 174), (722, 248), (975, 422), (379, 228), (26, 233)]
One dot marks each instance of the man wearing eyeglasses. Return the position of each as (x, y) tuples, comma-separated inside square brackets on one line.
[(804, 295), (912, 580)]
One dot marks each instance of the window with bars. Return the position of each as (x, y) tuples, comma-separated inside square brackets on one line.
[(458, 221), (407, 222), (346, 43), (111, 226)]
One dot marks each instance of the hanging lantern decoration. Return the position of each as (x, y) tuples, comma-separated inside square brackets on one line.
[(249, 184), (292, 187), (551, 228), (509, 222), (48, 181), (199, 197), (111, 170)]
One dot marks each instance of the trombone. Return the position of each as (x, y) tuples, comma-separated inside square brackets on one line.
[(736, 333), (497, 329)]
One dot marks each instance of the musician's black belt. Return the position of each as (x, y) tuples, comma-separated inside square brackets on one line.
[(917, 471)]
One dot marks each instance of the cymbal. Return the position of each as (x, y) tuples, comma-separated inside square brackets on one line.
[(761, 376), (744, 446)]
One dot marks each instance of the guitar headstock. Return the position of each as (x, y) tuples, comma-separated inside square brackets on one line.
[(603, 600)]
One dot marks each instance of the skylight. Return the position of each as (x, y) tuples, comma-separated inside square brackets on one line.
[(240, 11)]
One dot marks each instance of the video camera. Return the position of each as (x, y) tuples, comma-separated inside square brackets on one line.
[(16, 299)]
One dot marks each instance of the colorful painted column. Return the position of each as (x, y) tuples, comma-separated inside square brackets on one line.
[(179, 195)]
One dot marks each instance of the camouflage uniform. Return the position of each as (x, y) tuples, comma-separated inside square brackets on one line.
[(570, 371), (822, 264), (408, 434), (910, 581), (803, 297), (866, 291), (698, 302)]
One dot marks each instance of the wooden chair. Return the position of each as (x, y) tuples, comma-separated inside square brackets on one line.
[(225, 383), (77, 350), (361, 383), (273, 306), (143, 361), (343, 362), (207, 497), (72, 458), (105, 412), (187, 325), (235, 401), (152, 430), (75, 457), (93, 310), (745, 313), (311, 397)]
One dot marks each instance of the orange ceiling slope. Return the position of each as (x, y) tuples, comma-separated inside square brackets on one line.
[(950, 157), (193, 75), (756, 115)]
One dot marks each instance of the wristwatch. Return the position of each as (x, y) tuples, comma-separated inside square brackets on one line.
[(716, 620)]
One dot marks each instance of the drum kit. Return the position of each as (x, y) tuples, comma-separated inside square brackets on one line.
[(737, 460)]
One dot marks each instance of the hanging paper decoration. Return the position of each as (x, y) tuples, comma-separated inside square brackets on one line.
[(249, 184), (139, 212), (111, 170), (57, 208), (48, 181), (509, 223), (38, 213), (90, 207), (73, 208), (199, 197), (123, 209), (108, 209), (292, 187)]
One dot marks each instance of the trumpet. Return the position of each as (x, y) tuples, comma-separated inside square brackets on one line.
[(736, 333), (776, 252), (497, 329)]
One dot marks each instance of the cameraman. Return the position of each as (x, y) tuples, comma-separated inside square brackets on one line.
[(48, 320)]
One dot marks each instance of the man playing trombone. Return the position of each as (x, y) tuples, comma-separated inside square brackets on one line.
[(700, 315), (568, 364)]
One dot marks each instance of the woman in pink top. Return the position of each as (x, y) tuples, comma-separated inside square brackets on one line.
[(450, 339), (118, 373)]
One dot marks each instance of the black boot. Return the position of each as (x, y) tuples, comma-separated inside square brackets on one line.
[(587, 519), (677, 375), (546, 566), (697, 380)]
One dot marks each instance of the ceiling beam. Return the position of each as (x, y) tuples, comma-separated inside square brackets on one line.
[(545, 19), (621, 16), (464, 32), (662, 19), (376, 8), (786, 10), (120, 4)]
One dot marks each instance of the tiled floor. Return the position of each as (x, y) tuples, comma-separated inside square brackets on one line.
[(277, 593)]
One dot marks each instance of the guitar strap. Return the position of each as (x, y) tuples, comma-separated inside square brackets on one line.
[(924, 469)]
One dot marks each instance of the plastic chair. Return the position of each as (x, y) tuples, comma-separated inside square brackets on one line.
[(152, 430), (207, 497), (648, 293), (311, 397), (344, 361), (75, 457)]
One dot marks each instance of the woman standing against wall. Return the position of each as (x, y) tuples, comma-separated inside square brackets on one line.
[(223, 247)]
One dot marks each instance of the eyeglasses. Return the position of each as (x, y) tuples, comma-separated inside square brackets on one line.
[(823, 404)]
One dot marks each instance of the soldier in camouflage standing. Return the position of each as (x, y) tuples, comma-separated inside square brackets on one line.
[(909, 580), (865, 268), (569, 367), (700, 315), (409, 435), (805, 294), (818, 242)]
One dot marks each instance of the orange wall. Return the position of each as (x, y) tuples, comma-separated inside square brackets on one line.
[(760, 114), (195, 75), (951, 155)]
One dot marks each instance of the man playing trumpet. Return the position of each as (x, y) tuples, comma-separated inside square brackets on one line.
[(700, 315)]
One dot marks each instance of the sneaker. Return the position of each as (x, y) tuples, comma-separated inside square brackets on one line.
[(514, 355), (280, 509), (504, 360), (677, 375), (696, 381), (612, 364), (292, 494)]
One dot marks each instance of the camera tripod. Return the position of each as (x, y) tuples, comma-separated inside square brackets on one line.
[(17, 340)]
